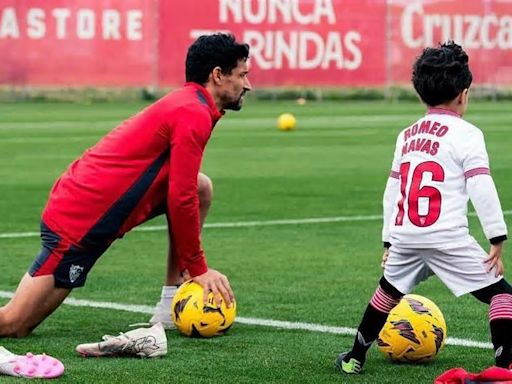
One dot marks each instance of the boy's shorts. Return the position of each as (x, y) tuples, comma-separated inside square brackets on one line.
[(461, 267)]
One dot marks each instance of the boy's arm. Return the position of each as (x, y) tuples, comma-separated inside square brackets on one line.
[(483, 195), (481, 188), (392, 188), (391, 191), (388, 201)]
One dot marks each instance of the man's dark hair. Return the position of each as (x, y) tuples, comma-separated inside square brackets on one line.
[(441, 73), (210, 51)]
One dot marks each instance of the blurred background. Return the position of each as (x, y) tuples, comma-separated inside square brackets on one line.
[(304, 48)]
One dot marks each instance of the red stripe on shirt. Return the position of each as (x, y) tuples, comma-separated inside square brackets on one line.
[(394, 174), (477, 171)]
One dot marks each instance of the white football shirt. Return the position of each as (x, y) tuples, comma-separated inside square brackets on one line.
[(426, 197)]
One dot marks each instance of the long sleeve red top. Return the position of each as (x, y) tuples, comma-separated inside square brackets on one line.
[(146, 166)]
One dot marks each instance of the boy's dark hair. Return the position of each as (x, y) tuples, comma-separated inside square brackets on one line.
[(441, 73), (210, 51)]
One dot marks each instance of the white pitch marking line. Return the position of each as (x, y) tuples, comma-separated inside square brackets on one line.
[(249, 320), (241, 224)]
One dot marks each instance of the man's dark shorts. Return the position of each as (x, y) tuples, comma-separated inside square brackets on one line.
[(68, 263)]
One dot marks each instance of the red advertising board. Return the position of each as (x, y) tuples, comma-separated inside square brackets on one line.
[(314, 42), (293, 42), (483, 28), (79, 42)]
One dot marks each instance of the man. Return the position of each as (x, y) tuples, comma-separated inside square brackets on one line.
[(439, 163), (147, 166)]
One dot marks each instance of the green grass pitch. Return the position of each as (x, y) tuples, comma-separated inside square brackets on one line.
[(334, 164)]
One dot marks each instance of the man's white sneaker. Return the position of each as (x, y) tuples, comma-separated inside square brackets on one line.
[(143, 342), (162, 315), (29, 366)]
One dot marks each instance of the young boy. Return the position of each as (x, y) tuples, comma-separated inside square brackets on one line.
[(440, 161)]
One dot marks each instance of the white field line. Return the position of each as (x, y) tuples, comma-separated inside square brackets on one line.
[(146, 309), (240, 224)]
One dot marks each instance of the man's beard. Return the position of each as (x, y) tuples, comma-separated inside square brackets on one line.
[(235, 105)]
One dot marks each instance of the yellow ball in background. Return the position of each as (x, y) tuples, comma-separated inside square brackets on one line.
[(286, 122)]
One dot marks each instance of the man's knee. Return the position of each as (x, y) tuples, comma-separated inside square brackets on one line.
[(10, 326), (19, 332), (205, 190)]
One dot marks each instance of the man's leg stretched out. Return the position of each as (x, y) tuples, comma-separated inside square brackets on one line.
[(34, 300)]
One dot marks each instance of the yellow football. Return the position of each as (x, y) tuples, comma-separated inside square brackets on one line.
[(286, 122), (193, 317), (415, 331)]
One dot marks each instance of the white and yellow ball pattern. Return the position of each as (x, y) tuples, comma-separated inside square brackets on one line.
[(286, 122), (194, 318), (415, 331)]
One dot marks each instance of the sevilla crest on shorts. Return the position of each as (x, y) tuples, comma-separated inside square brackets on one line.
[(74, 272)]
